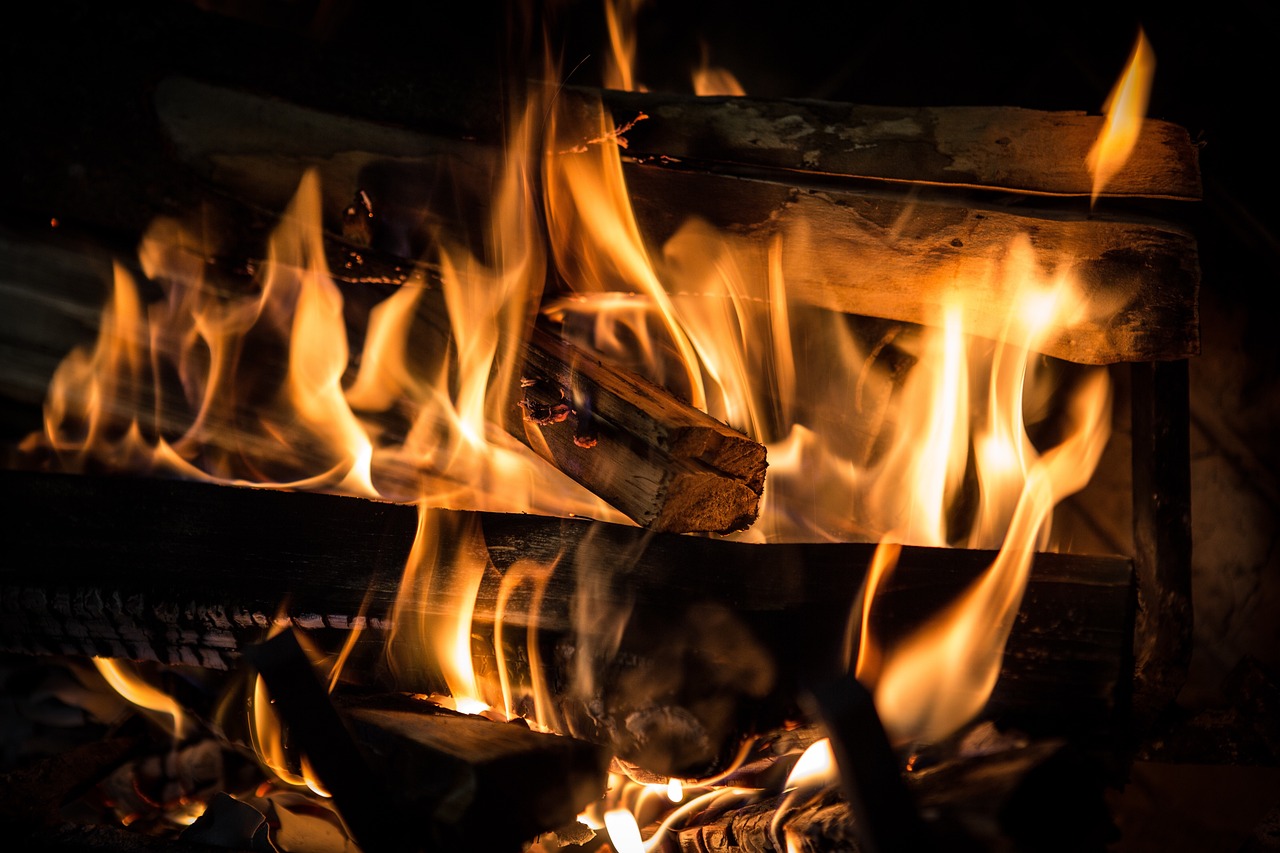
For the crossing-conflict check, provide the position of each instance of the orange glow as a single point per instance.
(619, 69)
(138, 692)
(1125, 109)
(713, 80)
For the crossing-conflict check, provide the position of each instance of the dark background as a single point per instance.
(75, 122)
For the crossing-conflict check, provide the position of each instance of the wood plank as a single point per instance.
(665, 464)
(984, 147)
(892, 257)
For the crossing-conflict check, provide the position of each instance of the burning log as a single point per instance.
(412, 780)
(191, 573)
(1003, 149)
(665, 464)
(894, 250)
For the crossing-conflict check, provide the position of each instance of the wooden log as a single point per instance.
(891, 250)
(667, 465)
(474, 783)
(189, 573)
(1161, 537)
(406, 778)
(903, 259)
(996, 148)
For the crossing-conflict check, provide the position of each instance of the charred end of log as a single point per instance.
(665, 464)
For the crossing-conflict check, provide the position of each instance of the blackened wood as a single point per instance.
(190, 573)
(1004, 148)
(1161, 536)
(665, 464)
(32, 795)
(887, 817)
(362, 797)
(474, 783)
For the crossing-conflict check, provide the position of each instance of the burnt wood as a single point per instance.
(191, 573)
(470, 782)
(1161, 537)
(665, 464)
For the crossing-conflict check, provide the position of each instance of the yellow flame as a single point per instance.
(138, 692)
(817, 766)
(624, 834)
(1125, 109)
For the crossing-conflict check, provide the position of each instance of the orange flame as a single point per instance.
(1125, 108)
(138, 692)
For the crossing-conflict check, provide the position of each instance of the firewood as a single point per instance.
(897, 249)
(987, 147)
(410, 779)
(665, 464)
(477, 783)
(190, 573)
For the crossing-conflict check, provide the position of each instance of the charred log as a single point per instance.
(665, 464)
(721, 636)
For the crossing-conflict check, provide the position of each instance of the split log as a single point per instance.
(190, 573)
(992, 148)
(665, 464)
(895, 249)
(409, 779)
(476, 783)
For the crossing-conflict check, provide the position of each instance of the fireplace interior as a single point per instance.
(1186, 751)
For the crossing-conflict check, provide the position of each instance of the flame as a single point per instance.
(817, 766)
(619, 69)
(432, 617)
(937, 679)
(1125, 109)
(624, 834)
(138, 692)
(713, 80)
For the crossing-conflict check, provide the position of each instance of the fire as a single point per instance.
(939, 454)
(1125, 108)
(139, 692)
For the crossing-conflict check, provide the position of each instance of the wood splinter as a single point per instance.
(667, 465)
